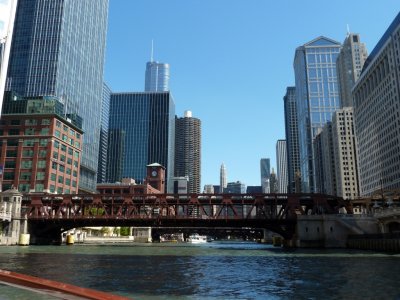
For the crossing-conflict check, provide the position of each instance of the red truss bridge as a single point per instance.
(48, 214)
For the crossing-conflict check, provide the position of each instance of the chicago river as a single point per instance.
(217, 270)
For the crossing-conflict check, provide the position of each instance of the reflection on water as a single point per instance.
(213, 270)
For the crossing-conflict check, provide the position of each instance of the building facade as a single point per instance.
(324, 160)
(188, 150)
(265, 173)
(292, 137)
(156, 77)
(377, 115)
(349, 65)
(317, 97)
(58, 49)
(273, 182)
(40, 148)
(235, 188)
(222, 179)
(345, 154)
(281, 162)
(103, 144)
(141, 132)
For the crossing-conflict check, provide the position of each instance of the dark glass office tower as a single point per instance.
(103, 144)
(58, 49)
(148, 122)
(292, 137)
(188, 150)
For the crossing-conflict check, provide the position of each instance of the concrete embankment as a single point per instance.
(375, 242)
(50, 287)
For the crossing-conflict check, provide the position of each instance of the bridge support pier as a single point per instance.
(141, 234)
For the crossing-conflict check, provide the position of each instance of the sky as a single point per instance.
(230, 63)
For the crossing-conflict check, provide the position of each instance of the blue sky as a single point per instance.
(230, 62)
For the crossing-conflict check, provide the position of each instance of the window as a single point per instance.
(29, 131)
(13, 131)
(43, 142)
(68, 171)
(71, 141)
(55, 155)
(53, 176)
(9, 175)
(68, 181)
(11, 153)
(58, 124)
(56, 144)
(42, 153)
(26, 164)
(57, 133)
(61, 179)
(45, 131)
(74, 173)
(61, 168)
(77, 144)
(64, 138)
(62, 158)
(76, 154)
(24, 188)
(67, 191)
(70, 151)
(54, 165)
(45, 121)
(12, 142)
(39, 187)
(75, 164)
(15, 122)
(63, 147)
(73, 183)
(29, 142)
(69, 161)
(25, 176)
(65, 128)
(30, 122)
(10, 164)
(41, 164)
(71, 132)
(27, 153)
(40, 175)
(78, 136)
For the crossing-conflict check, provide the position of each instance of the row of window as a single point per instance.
(67, 129)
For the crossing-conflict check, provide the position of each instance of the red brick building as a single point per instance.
(40, 151)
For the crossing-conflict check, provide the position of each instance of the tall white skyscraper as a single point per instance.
(157, 77)
(281, 161)
(222, 178)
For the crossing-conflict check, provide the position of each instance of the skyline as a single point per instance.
(224, 53)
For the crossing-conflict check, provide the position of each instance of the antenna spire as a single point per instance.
(152, 50)
(348, 29)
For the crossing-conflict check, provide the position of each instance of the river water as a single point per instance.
(217, 270)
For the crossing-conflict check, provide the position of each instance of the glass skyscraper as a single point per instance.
(317, 97)
(103, 144)
(141, 132)
(157, 77)
(292, 137)
(58, 49)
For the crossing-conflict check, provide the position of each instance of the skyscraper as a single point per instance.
(292, 137)
(265, 172)
(143, 125)
(349, 65)
(188, 150)
(103, 144)
(157, 77)
(222, 178)
(317, 97)
(58, 49)
(281, 161)
(377, 115)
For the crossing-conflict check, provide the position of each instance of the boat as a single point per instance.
(197, 239)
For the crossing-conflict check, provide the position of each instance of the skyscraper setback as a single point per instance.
(58, 49)
(317, 97)
(222, 178)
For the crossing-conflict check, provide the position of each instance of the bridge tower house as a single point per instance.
(155, 176)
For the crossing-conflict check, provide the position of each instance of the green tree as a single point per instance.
(125, 231)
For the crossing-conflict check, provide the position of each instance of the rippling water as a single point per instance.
(211, 271)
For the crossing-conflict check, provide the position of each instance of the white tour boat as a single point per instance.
(197, 239)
